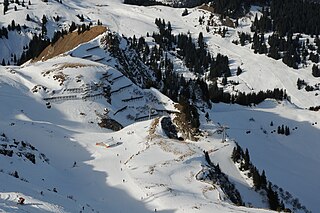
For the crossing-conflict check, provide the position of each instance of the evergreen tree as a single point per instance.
(200, 40)
(246, 159)
(282, 129)
(272, 198)
(256, 178)
(239, 71)
(263, 180)
(185, 12)
(236, 154)
(315, 71)
(5, 6)
(287, 131)
(224, 80)
(43, 25)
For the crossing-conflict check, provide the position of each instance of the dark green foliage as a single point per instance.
(6, 152)
(5, 6)
(246, 159)
(237, 154)
(57, 35)
(224, 80)
(301, 83)
(72, 27)
(207, 158)
(15, 174)
(287, 131)
(263, 24)
(296, 16)
(4, 32)
(244, 38)
(259, 181)
(31, 157)
(283, 130)
(314, 57)
(200, 41)
(143, 2)
(36, 46)
(256, 178)
(253, 98)
(221, 179)
(273, 198)
(196, 57)
(215, 93)
(263, 180)
(43, 25)
(239, 71)
(192, 115)
(219, 67)
(315, 71)
(234, 8)
(81, 18)
(185, 12)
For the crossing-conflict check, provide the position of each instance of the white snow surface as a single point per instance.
(142, 172)
(145, 170)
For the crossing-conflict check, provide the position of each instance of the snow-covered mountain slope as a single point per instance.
(56, 106)
(141, 167)
(289, 161)
(109, 93)
(260, 72)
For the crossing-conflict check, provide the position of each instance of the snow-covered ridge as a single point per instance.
(56, 106)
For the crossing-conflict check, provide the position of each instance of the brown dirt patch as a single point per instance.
(70, 41)
(207, 8)
(74, 65)
(183, 125)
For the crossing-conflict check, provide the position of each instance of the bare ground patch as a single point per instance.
(70, 41)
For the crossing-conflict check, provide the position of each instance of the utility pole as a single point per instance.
(223, 129)
(150, 110)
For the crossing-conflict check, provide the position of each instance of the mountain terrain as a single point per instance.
(170, 106)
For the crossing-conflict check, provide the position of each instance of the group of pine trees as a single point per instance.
(194, 54)
(302, 84)
(143, 2)
(259, 180)
(292, 51)
(39, 42)
(176, 86)
(221, 179)
(283, 130)
(6, 4)
(285, 18)
(315, 71)
(233, 8)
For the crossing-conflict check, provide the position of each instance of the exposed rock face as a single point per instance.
(110, 124)
(70, 41)
(169, 128)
